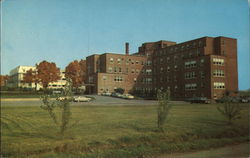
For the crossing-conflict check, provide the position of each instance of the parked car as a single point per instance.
(81, 99)
(106, 94)
(128, 96)
(114, 94)
(199, 100)
(64, 98)
(245, 100)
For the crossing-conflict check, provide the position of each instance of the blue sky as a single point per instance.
(64, 30)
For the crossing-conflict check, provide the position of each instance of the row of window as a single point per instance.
(219, 85)
(118, 78)
(180, 48)
(190, 75)
(128, 61)
(217, 61)
(219, 73)
(190, 64)
(192, 86)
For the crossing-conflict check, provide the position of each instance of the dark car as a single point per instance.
(203, 100)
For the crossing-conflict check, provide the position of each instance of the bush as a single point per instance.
(119, 90)
(230, 109)
(163, 107)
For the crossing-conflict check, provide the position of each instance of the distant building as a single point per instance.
(3, 80)
(17, 75)
(204, 67)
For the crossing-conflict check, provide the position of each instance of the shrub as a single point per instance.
(163, 108)
(230, 109)
(119, 90)
(63, 105)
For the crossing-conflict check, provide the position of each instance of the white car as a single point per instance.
(64, 98)
(81, 99)
(106, 94)
(128, 96)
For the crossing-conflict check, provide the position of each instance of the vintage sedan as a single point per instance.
(81, 99)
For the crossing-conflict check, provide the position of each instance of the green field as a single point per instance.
(118, 131)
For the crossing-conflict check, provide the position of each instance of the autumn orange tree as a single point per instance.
(47, 72)
(31, 77)
(76, 71)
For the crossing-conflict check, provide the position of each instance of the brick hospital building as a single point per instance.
(204, 67)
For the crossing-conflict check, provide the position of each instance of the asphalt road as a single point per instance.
(99, 100)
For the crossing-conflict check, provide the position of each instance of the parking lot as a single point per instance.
(99, 100)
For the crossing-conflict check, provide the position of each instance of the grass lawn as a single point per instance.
(118, 131)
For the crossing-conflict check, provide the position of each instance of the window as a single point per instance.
(168, 59)
(149, 62)
(119, 61)
(118, 79)
(148, 71)
(202, 74)
(115, 70)
(161, 61)
(168, 68)
(190, 64)
(175, 87)
(202, 62)
(219, 85)
(137, 62)
(161, 70)
(110, 69)
(217, 61)
(111, 60)
(133, 70)
(126, 70)
(175, 67)
(120, 69)
(218, 73)
(189, 87)
(190, 75)
(127, 61)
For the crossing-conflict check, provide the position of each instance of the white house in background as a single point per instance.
(17, 75)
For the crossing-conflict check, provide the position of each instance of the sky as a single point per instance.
(61, 31)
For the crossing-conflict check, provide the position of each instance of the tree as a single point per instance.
(83, 70)
(76, 71)
(47, 72)
(163, 108)
(31, 77)
(61, 119)
(230, 109)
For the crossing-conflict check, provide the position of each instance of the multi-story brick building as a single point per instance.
(204, 67)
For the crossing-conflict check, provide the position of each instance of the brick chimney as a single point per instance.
(127, 48)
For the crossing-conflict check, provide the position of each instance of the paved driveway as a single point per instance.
(99, 100)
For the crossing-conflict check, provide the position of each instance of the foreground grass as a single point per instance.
(118, 132)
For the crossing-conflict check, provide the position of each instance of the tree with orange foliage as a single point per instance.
(82, 64)
(76, 71)
(47, 72)
(31, 77)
